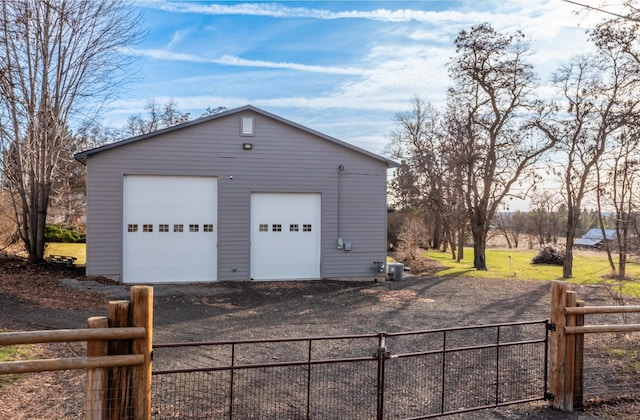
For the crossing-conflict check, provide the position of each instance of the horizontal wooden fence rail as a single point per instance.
(61, 336)
(606, 328)
(70, 363)
(602, 310)
(598, 329)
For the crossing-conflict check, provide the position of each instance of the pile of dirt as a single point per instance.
(40, 284)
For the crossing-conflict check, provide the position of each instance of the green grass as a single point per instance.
(71, 250)
(511, 263)
(9, 353)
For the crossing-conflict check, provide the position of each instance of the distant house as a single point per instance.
(594, 239)
(239, 195)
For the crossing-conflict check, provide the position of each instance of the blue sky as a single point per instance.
(344, 68)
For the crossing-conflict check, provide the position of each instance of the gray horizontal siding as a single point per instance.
(283, 159)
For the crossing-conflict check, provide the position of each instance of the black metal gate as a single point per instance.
(418, 374)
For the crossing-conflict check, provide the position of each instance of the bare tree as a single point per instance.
(618, 189)
(494, 88)
(547, 212)
(405, 188)
(418, 180)
(599, 95)
(158, 117)
(622, 166)
(68, 191)
(58, 61)
(511, 226)
(411, 235)
(425, 181)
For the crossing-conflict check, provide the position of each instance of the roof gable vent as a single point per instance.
(247, 125)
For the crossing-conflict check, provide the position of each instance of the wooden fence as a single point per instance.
(566, 343)
(118, 360)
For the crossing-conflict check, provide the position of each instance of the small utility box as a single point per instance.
(395, 271)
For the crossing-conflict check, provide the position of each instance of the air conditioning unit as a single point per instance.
(395, 271)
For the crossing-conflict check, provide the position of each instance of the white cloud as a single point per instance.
(178, 37)
(230, 60)
(281, 11)
(236, 61)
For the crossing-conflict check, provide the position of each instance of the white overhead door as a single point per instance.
(170, 229)
(285, 236)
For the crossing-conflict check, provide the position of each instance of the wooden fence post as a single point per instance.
(557, 344)
(119, 405)
(578, 387)
(96, 377)
(570, 353)
(142, 316)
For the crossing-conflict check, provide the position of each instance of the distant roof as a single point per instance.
(587, 242)
(82, 156)
(596, 234)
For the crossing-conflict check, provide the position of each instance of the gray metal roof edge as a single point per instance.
(82, 156)
(583, 241)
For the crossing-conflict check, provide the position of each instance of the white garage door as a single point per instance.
(285, 236)
(170, 229)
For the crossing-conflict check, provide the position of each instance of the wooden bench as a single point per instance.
(62, 259)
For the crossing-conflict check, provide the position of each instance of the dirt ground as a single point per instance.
(46, 297)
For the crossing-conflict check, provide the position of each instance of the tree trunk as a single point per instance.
(622, 264)
(461, 244)
(33, 220)
(623, 244)
(567, 267)
(573, 217)
(437, 231)
(479, 247)
(37, 240)
(451, 239)
(601, 223)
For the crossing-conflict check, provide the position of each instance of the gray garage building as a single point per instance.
(239, 195)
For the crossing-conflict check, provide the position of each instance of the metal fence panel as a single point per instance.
(413, 386)
(343, 391)
(416, 374)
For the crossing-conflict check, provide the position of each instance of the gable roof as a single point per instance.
(594, 236)
(596, 233)
(84, 155)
